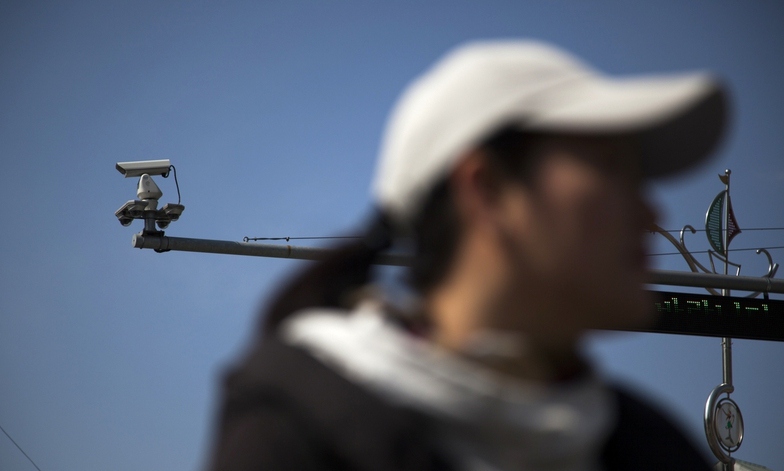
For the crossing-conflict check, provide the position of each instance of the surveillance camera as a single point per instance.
(173, 211)
(133, 209)
(139, 168)
(148, 194)
(168, 214)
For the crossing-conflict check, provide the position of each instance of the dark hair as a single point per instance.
(436, 228)
(330, 281)
(436, 232)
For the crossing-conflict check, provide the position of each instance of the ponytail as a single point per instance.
(330, 281)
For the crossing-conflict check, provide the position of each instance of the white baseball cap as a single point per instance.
(480, 87)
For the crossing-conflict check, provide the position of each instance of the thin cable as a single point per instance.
(176, 183)
(743, 230)
(706, 251)
(248, 239)
(20, 448)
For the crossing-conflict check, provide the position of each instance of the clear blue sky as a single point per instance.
(110, 357)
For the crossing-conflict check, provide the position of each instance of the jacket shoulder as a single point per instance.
(284, 409)
(646, 439)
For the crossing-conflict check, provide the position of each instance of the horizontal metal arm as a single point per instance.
(707, 280)
(227, 247)
(656, 277)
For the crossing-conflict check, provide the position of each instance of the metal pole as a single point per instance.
(165, 244)
(656, 277)
(726, 342)
(726, 359)
(705, 280)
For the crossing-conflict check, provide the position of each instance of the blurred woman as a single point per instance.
(514, 171)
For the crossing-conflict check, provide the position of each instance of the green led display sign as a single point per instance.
(718, 316)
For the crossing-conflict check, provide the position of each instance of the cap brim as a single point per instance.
(680, 119)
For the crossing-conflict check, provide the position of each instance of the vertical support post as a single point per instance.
(149, 222)
(726, 342)
(726, 360)
(726, 225)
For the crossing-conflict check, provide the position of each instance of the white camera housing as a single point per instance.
(147, 189)
(140, 167)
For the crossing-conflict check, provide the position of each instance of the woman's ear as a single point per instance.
(476, 187)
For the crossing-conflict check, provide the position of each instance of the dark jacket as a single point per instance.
(284, 410)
